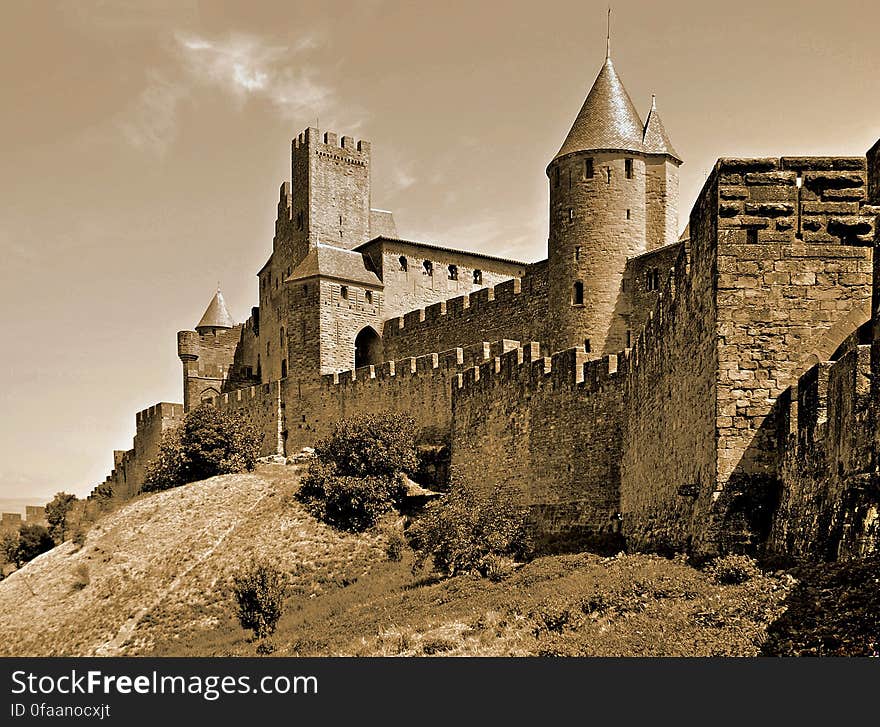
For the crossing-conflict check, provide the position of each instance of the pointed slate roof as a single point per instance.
(607, 120)
(217, 314)
(335, 262)
(655, 138)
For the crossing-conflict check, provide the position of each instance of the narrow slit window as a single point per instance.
(588, 168)
(629, 339)
(343, 292)
(478, 277)
(570, 214)
(629, 214)
(577, 252)
(628, 165)
(369, 296)
(452, 271)
(577, 293)
(587, 346)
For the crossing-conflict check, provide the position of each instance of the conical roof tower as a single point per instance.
(216, 315)
(655, 138)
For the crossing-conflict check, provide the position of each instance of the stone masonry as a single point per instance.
(702, 392)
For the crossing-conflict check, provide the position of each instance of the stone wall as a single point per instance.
(130, 466)
(418, 386)
(208, 360)
(792, 283)
(515, 309)
(669, 449)
(409, 285)
(829, 506)
(262, 406)
(545, 432)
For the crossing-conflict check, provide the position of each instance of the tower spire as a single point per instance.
(608, 37)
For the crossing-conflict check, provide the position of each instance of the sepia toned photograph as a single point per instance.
(416, 329)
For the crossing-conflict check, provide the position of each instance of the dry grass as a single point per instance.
(153, 578)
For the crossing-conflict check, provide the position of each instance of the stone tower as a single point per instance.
(613, 195)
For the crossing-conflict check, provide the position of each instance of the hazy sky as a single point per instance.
(144, 143)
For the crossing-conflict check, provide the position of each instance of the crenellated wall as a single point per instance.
(515, 309)
(547, 433)
(262, 406)
(830, 505)
(419, 386)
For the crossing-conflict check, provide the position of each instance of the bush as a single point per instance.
(33, 540)
(259, 595)
(732, 570)
(371, 444)
(459, 531)
(395, 544)
(81, 577)
(357, 474)
(209, 442)
(497, 567)
(9, 547)
(56, 515)
(346, 502)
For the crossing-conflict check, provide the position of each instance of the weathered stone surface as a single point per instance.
(769, 209)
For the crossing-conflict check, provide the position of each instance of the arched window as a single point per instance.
(577, 293)
(478, 277)
(428, 267)
(207, 396)
(453, 272)
(404, 264)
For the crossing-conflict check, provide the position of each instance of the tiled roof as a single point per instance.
(335, 262)
(607, 120)
(217, 314)
(655, 138)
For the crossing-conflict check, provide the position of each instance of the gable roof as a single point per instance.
(607, 120)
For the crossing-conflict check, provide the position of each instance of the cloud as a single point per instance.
(151, 125)
(245, 67)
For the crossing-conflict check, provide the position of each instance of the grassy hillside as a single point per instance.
(152, 578)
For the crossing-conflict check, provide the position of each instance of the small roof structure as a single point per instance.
(328, 261)
(216, 315)
(655, 138)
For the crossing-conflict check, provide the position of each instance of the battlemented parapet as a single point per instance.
(208, 362)
(546, 431)
(418, 386)
(828, 506)
(130, 466)
(262, 406)
(515, 309)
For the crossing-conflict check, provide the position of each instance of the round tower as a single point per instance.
(597, 217)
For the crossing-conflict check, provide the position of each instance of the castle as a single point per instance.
(705, 392)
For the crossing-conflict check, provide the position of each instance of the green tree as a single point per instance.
(56, 514)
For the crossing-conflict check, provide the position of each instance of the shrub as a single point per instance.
(460, 530)
(497, 567)
(9, 547)
(259, 595)
(209, 442)
(395, 544)
(732, 570)
(346, 502)
(33, 540)
(356, 476)
(56, 514)
(372, 444)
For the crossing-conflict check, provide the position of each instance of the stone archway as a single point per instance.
(367, 348)
(208, 395)
(822, 346)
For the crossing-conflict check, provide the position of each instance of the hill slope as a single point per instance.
(157, 568)
(152, 578)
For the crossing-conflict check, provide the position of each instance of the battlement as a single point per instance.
(499, 295)
(809, 199)
(246, 394)
(162, 410)
(329, 143)
(428, 365)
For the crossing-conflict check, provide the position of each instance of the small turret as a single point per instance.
(216, 315)
(661, 182)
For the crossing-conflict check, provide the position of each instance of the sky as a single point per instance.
(143, 145)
